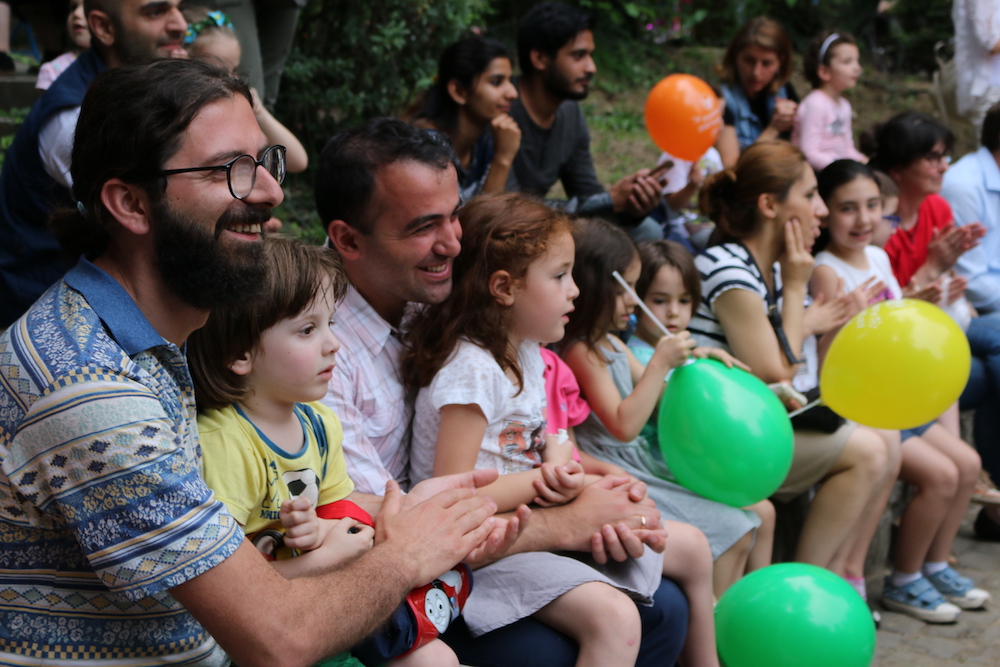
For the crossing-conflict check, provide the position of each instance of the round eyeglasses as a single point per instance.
(241, 171)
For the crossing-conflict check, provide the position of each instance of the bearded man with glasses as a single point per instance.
(112, 548)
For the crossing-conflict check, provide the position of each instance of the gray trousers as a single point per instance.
(265, 29)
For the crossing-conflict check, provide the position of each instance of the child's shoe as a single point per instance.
(919, 599)
(959, 590)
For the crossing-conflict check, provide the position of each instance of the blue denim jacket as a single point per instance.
(748, 125)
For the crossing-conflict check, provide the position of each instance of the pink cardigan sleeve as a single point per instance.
(814, 115)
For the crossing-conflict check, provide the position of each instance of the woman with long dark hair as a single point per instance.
(469, 102)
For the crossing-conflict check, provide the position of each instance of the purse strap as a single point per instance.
(773, 312)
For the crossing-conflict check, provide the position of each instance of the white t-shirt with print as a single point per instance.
(515, 431)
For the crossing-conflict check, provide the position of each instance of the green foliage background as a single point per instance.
(356, 60)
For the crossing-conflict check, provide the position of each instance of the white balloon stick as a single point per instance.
(635, 297)
(628, 288)
(805, 407)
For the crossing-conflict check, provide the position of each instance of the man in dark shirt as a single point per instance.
(555, 47)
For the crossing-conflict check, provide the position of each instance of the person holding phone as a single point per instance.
(682, 183)
(555, 48)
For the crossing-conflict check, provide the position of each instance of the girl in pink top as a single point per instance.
(823, 120)
(79, 33)
(566, 408)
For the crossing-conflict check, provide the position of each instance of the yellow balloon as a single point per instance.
(896, 365)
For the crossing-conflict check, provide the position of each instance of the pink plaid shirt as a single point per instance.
(367, 394)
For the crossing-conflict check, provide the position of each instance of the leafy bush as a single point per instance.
(916, 27)
(357, 60)
(9, 122)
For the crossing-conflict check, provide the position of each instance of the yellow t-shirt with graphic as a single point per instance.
(252, 475)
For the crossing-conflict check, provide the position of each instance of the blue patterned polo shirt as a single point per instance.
(102, 505)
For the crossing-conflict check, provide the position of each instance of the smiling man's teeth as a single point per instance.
(246, 229)
(436, 269)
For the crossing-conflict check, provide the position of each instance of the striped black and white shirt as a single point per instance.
(729, 266)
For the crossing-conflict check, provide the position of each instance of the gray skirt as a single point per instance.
(517, 586)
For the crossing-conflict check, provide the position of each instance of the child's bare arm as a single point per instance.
(296, 158)
(625, 417)
(460, 436)
(555, 452)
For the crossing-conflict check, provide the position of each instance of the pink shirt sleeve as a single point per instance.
(51, 70)
(813, 116)
(566, 408)
(823, 130)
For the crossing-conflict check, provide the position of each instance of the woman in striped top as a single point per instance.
(754, 279)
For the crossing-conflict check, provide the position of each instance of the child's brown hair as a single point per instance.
(601, 249)
(296, 275)
(657, 254)
(507, 232)
(821, 53)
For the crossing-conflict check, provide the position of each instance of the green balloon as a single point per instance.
(724, 434)
(790, 615)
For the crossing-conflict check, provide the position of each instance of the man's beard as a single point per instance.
(198, 266)
(559, 85)
(131, 48)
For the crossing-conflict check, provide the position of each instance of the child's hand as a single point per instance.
(672, 352)
(256, 104)
(861, 296)
(696, 176)
(346, 539)
(930, 292)
(823, 315)
(956, 288)
(720, 355)
(559, 484)
(822, 318)
(302, 527)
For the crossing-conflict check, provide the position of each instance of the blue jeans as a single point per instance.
(530, 643)
(982, 392)
(647, 230)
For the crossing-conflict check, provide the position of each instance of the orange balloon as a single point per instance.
(683, 116)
